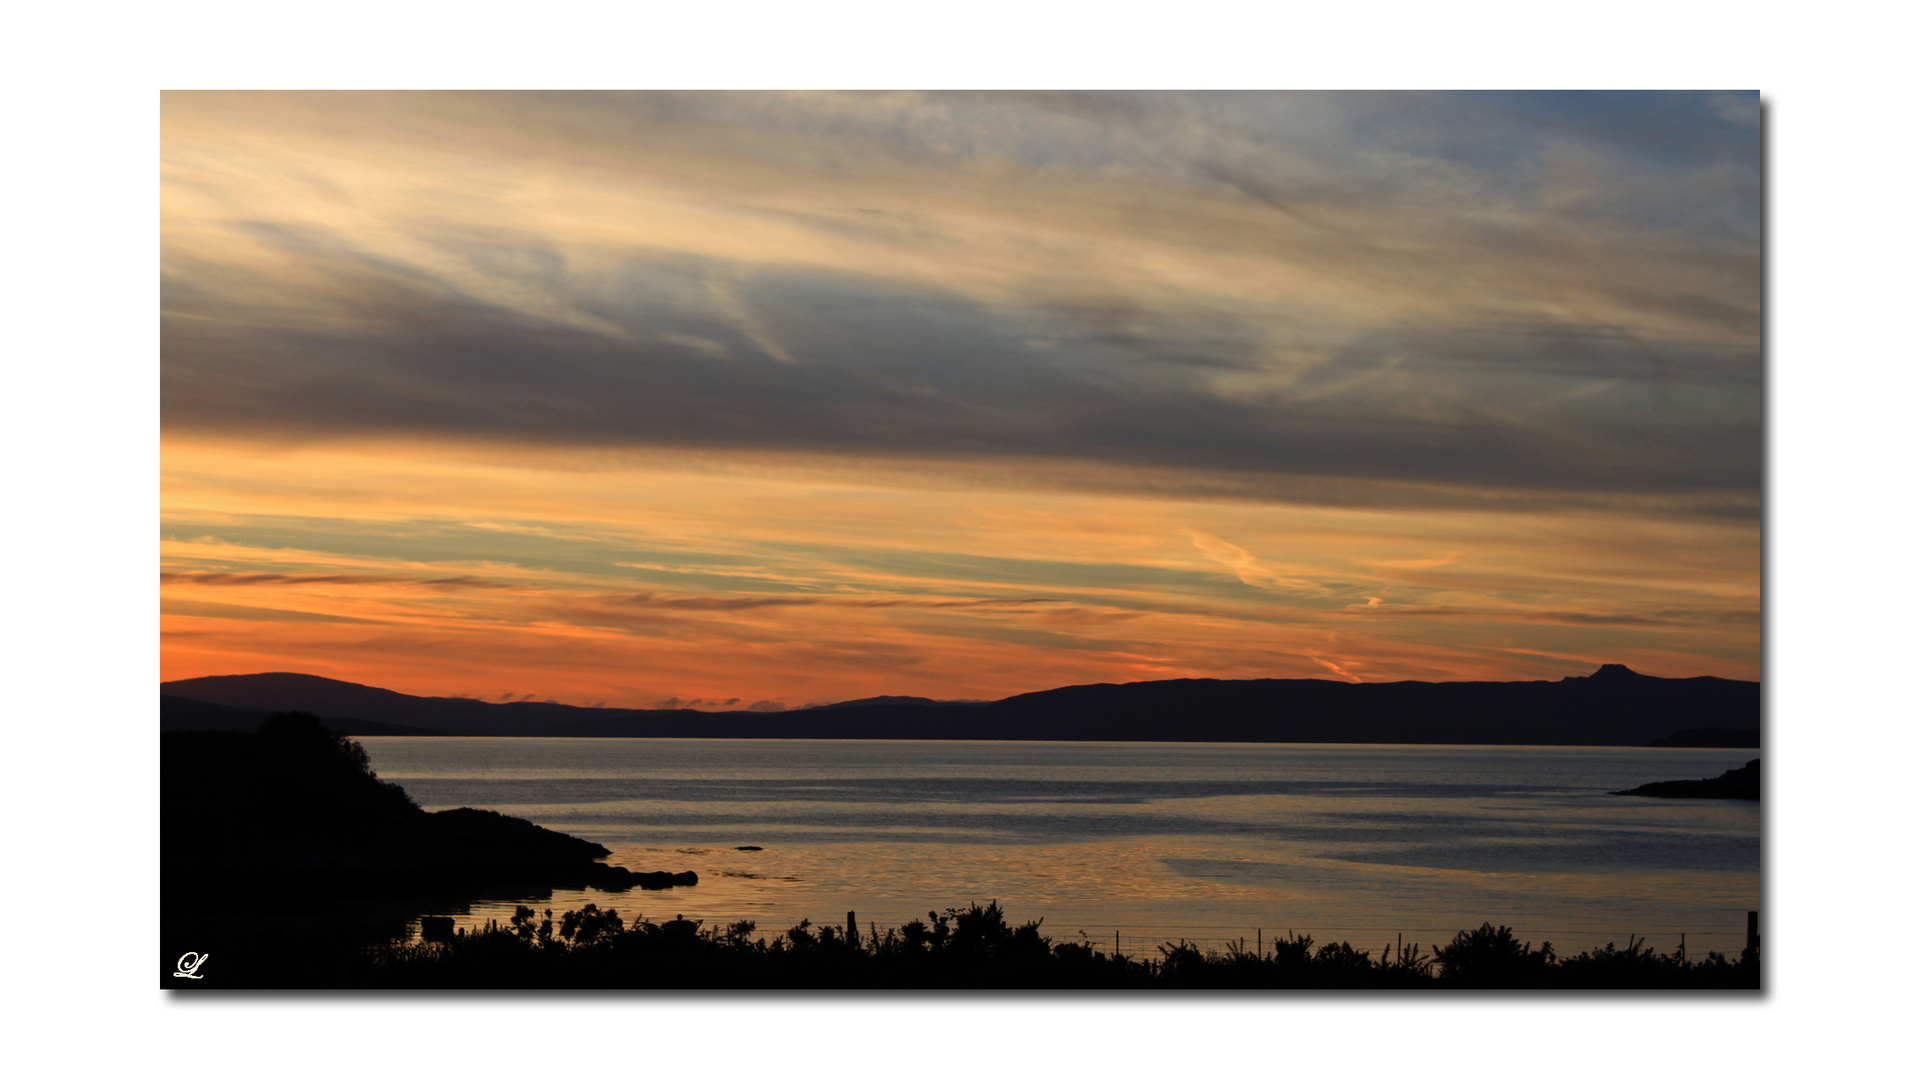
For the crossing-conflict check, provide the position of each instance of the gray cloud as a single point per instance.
(892, 371)
(201, 609)
(1500, 209)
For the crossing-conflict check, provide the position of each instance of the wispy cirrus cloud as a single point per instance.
(779, 397)
(200, 609)
(740, 603)
(1475, 292)
(217, 578)
(1245, 566)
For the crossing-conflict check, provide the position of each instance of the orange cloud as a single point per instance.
(457, 573)
(627, 399)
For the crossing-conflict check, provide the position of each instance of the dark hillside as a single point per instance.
(290, 818)
(1612, 707)
(185, 714)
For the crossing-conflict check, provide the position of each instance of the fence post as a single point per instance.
(853, 930)
(1753, 930)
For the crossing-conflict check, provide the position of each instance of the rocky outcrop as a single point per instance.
(487, 848)
(295, 809)
(1740, 783)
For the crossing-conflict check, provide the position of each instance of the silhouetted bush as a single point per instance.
(294, 810)
(229, 799)
(976, 948)
(1492, 957)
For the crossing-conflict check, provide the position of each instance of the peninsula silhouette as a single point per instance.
(290, 822)
(1740, 783)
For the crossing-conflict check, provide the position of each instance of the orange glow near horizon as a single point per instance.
(764, 400)
(711, 582)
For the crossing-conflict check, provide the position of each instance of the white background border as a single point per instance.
(82, 469)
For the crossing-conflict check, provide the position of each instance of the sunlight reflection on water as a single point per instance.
(1203, 841)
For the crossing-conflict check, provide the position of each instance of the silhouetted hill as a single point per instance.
(1612, 707)
(287, 691)
(890, 699)
(283, 842)
(1712, 737)
(270, 692)
(185, 714)
(295, 806)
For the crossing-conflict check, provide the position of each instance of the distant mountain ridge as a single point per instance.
(886, 699)
(1614, 706)
(185, 714)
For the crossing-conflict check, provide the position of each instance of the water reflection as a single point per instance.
(1197, 841)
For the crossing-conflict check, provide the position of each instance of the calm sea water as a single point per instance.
(1153, 842)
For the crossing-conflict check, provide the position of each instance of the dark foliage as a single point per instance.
(976, 948)
(1490, 957)
(294, 810)
(229, 798)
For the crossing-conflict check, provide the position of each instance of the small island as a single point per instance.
(1740, 783)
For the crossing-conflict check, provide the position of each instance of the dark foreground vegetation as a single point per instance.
(286, 863)
(284, 841)
(976, 948)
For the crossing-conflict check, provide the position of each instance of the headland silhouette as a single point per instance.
(289, 826)
(1740, 783)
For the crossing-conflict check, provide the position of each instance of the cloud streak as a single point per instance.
(1424, 312)
(768, 397)
(463, 581)
(742, 603)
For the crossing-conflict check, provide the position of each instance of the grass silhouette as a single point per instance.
(977, 948)
(295, 810)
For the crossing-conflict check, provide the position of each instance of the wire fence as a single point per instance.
(1385, 940)
(1147, 940)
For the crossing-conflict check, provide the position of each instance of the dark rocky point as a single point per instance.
(283, 841)
(1740, 783)
(295, 807)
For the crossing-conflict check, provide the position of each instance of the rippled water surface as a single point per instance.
(1151, 841)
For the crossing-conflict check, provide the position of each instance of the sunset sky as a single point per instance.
(761, 400)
